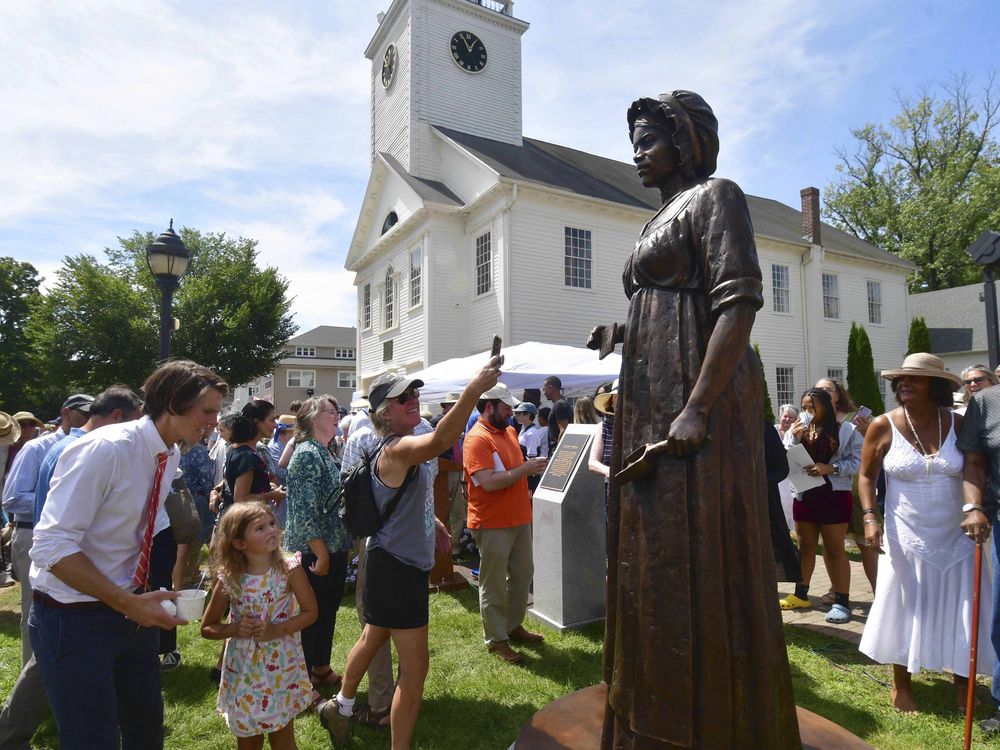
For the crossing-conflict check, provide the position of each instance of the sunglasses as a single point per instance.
(976, 380)
(402, 398)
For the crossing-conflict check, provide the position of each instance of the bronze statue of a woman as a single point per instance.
(694, 654)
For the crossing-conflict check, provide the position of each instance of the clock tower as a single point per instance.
(452, 63)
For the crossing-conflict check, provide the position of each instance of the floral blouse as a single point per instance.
(199, 471)
(313, 485)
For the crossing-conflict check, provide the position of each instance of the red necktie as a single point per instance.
(141, 578)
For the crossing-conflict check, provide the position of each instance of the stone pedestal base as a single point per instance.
(575, 721)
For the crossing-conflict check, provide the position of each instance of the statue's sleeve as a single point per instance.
(732, 271)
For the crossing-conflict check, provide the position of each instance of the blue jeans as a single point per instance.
(102, 676)
(995, 614)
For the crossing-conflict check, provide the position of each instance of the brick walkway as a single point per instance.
(814, 619)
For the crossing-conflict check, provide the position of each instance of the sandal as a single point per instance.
(325, 678)
(793, 602)
(838, 614)
(366, 717)
(828, 599)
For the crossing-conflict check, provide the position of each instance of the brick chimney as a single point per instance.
(810, 215)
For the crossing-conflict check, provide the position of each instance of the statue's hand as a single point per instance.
(687, 433)
(596, 339)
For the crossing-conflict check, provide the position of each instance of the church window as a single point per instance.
(578, 259)
(389, 304)
(780, 289)
(390, 221)
(366, 307)
(416, 261)
(875, 302)
(831, 297)
(484, 264)
(785, 384)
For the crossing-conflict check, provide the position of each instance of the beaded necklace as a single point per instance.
(929, 457)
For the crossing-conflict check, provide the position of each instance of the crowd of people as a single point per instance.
(109, 509)
(912, 488)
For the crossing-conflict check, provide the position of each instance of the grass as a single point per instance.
(472, 700)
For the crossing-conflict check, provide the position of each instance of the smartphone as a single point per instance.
(863, 411)
(495, 350)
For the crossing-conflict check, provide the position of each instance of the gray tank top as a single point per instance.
(408, 535)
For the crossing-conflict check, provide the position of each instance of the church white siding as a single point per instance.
(390, 108)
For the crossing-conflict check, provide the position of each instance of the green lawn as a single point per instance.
(474, 701)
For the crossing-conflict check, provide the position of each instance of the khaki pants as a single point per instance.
(380, 683)
(20, 547)
(456, 509)
(505, 574)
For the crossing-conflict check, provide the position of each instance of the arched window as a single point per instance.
(390, 221)
(389, 308)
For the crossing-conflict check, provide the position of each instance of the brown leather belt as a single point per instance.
(47, 601)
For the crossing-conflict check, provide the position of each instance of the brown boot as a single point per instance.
(505, 652)
(520, 635)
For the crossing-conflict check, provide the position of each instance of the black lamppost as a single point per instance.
(168, 260)
(986, 252)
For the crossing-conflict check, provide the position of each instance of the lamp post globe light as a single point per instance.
(168, 259)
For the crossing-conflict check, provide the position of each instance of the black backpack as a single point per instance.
(358, 510)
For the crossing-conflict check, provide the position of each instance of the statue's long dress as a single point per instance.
(694, 653)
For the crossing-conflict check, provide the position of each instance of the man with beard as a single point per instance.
(499, 516)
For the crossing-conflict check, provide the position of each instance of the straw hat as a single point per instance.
(602, 402)
(923, 365)
(10, 430)
(27, 416)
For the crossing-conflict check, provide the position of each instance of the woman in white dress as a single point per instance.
(922, 614)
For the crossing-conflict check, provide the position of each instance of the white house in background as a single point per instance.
(467, 228)
(956, 321)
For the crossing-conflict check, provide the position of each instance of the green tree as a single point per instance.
(927, 184)
(18, 296)
(862, 381)
(234, 316)
(100, 323)
(92, 329)
(920, 337)
(768, 408)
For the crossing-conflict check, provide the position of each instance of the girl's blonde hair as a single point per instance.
(228, 563)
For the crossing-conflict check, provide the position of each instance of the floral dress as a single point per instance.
(264, 685)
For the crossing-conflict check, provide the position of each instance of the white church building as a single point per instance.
(468, 228)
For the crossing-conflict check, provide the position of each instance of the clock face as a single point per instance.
(468, 51)
(389, 66)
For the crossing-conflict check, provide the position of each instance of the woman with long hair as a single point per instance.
(825, 510)
(247, 476)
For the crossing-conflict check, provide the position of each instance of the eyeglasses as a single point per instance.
(328, 411)
(976, 380)
(402, 398)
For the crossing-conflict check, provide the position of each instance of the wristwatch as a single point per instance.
(836, 469)
(969, 507)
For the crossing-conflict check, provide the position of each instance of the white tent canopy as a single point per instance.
(525, 366)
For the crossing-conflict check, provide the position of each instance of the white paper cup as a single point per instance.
(190, 604)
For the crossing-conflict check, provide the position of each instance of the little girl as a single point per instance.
(264, 678)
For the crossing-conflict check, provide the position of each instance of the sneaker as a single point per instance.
(170, 661)
(335, 723)
(991, 726)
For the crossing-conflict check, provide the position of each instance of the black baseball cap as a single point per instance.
(389, 386)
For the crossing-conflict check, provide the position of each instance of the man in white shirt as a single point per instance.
(93, 624)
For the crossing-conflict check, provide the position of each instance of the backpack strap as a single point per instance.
(391, 507)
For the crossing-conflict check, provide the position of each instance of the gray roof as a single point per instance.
(598, 177)
(956, 318)
(336, 336)
(431, 191)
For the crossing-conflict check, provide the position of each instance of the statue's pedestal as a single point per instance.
(574, 721)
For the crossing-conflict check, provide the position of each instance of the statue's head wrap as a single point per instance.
(691, 123)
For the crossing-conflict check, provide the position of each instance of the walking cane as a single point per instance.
(970, 701)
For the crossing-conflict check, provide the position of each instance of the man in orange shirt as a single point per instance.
(500, 519)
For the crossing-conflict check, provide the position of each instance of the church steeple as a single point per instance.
(454, 63)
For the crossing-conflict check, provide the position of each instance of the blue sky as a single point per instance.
(251, 118)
